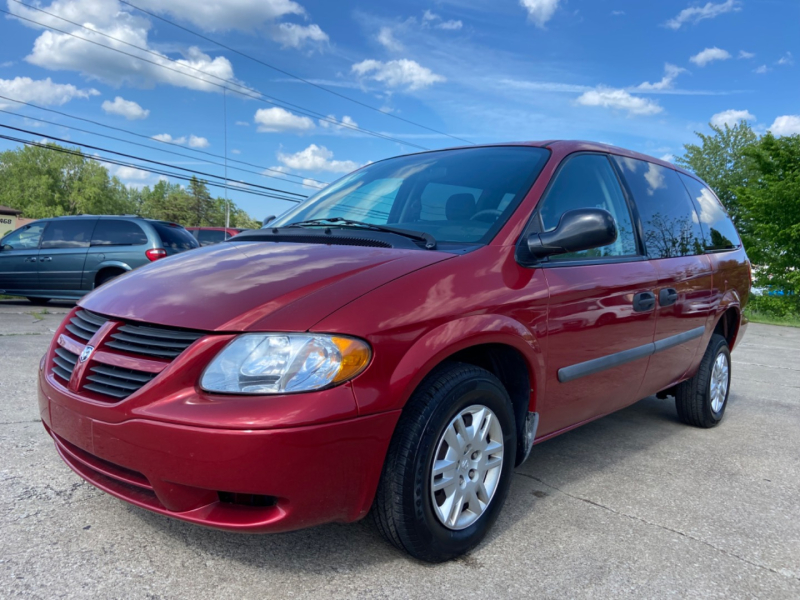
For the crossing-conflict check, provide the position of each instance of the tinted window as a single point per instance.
(589, 181)
(111, 232)
(669, 221)
(720, 234)
(24, 238)
(68, 233)
(460, 196)
(206, 237)
(175, 237)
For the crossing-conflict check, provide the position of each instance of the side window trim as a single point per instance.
(536, 225)
(707, 243)
(638, 228)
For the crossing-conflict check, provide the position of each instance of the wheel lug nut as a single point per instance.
(475, 455)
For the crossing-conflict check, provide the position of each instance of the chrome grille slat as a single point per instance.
(139, 376)
(64, 374)
(116, 382)
(78, 332)
(113, 382)
(159, 343)
(143, 330)
(64, 363)
(136, 349)
(107, 391)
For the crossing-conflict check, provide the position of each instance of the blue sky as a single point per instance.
(642, 75)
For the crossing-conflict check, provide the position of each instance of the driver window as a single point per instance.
(24, 238)
(589, 181)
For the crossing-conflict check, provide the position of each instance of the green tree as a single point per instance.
(721, 159)
(42, 182)
(771, 203)
(202, 206)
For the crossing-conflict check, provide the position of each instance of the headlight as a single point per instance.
(278, 363)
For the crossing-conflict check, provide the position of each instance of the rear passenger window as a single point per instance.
(69, 233)
(175, 237)
(589, 181)
(669, 222)
(113, 232)
(720, 234)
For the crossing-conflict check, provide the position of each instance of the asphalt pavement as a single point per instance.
(634, 505)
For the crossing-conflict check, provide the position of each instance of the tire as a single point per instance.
(107, 277)
(39, 301)
(405, 509)
(695, 398)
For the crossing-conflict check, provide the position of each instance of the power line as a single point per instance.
(155, 162)
(85, 120)
(261, 97)
(292, 75)
(112, 161)
(111, 137)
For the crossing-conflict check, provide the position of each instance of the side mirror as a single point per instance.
(267, 220)
(581, 229)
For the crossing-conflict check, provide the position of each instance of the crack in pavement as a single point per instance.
(739, 362)
(664, 527)
(20, 422)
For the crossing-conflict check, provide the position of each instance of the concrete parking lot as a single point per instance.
(634, 505)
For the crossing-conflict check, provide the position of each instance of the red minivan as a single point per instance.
(398, 342)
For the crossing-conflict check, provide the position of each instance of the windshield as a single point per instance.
(461, 196)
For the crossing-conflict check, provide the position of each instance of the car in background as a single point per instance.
(67, 257)
(213, 235)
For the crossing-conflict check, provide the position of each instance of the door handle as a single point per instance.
(46, 259)
(667, 296)
(30, 259)
(644, 301)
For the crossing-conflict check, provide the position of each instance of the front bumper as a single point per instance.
(309, 475)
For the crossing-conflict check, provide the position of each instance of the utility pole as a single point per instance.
(225, 127)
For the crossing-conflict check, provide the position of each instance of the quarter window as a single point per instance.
(113, 232)
(68, 233)
(24, 238)
(589, 181)
(670, 224)
(720, 234)
(206, 237)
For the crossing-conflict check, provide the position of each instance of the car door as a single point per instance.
(19, 259)
(62, 255)
(674, 242)
(601, 312)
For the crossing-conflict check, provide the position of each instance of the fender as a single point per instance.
(447, 339)
(731, 299)
(112, 263)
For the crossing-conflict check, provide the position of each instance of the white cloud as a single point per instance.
(617, 13)
(347, 123)
(540, 11)
(701, 59)
(193, 141)
(671, 72)
(668, 157)
(311, 184)
(398, 73)
(196, 141)
(165, 137)
(277, 119)
(125, 108)
(40, 91)
(8, 63)
(132, 174)
(243, 123)
(745, 54)
(695, 14)
(316, 158)
(762, 69)
(451, 25)
(60, 51)
(787, 60)
(786, 125)
(731, 117)
(235, 151)
(291, 35)
(386, 39)
(620, 100)
(246, 15)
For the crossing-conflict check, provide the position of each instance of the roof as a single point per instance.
(5, 210)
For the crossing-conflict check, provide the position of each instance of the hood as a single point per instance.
(240, 286)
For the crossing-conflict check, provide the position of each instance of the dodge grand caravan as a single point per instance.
(67, 257)
(397, 343)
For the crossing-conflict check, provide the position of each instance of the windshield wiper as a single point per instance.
(427, 238)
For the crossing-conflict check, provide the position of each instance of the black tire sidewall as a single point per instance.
(721, 347)
(443, 542)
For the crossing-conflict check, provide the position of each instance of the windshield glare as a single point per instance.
(460, 196)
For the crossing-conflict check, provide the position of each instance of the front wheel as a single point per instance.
(701, 400)
(449, 465)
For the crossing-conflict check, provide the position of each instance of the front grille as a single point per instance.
(116, 382)
(152, 341)
(64, 363)
(85, 324)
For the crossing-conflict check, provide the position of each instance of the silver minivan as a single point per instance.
(67, 257)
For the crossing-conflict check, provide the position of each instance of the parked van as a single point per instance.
(67, 257)
(397, 343)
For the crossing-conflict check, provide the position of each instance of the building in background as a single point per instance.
(9, 218)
